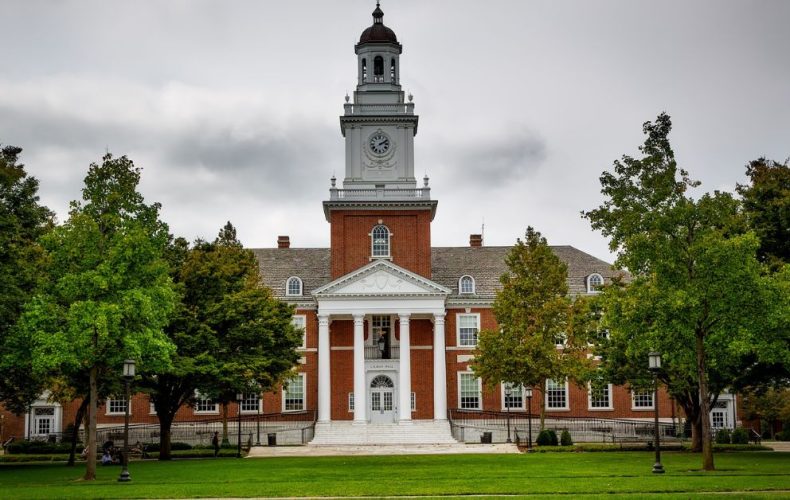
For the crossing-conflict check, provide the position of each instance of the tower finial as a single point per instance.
(378, 14)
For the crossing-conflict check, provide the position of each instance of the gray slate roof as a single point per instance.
(448, 264)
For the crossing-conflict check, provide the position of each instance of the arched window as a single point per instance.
(392, 71)
(381, 382)
(466, 284)
(364, 70)
(378, 66)
(594, 282)
(293, 287)
(380, 241)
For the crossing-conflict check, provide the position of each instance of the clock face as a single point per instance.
(379, 143)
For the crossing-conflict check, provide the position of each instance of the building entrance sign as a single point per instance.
(382, 397)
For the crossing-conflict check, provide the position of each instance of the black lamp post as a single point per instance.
(528, 394)
(239, 398)
(654, 364)
(128, 375)
(508, 392)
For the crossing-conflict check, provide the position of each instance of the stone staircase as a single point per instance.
(415, 432)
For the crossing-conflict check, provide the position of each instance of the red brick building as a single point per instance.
(390, 321)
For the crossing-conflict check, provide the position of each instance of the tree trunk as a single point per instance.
(165, 424)
(543, 406)
(690, 404)
(707, 444)
(75, 433)
(696, 434)
(225, 439)
(90, 441)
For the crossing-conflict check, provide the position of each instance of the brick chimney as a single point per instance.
(475, 240)
(283, 242)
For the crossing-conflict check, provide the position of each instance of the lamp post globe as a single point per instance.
(127, 374)
(654, 365)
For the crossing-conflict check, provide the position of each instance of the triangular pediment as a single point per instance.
(381, 278)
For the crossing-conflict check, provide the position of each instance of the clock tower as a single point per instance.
(379, 213)
(379, 124)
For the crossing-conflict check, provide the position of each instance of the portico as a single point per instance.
(379, 293)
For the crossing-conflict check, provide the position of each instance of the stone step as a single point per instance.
(415, 432)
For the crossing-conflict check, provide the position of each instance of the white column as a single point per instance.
(404, 387)
(360, 398)
(324, 374)
(439, 369)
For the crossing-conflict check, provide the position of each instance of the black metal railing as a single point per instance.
(287, 428)
(468, 425)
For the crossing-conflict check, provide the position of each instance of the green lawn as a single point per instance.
(751, 474)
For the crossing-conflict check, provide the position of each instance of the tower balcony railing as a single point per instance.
(423, 193)
(378, 109)
(373, 352)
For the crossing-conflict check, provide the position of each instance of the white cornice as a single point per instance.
(418, 285)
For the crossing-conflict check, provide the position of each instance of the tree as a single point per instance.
(697, 294)
(22, 222)
(770, 405)
(534, 314)
(766, 202)
(108, 295)
(231, 334)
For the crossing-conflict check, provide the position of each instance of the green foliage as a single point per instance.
(534, 314)
(108, 294)
(723, 436)
(783, 435)
(565, 438)
(231, 333)
(22, 222)
(766, 202)
(38, 447)
(697, 294)
(547, 437)
(740, 436)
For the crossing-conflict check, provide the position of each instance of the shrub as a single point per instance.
(39, 447)
(783, 435)
(723, 436)
(740, 436)
(565, 438)
(547, 437)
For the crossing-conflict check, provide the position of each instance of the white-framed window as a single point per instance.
(380, 241)
(151, 408)
(468, 326)
(642, 400)
(350, 401)
(466, 284)
(251, 403)
(117, 407)
(470, 391)
(594, 283)
(413, 402)
(516, 398)
(561, 340)
(599, 396)
(293, 287)
(294, 394)
(556, 395)
(299, 321)
(205, 405)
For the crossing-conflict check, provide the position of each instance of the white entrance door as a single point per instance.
(382, 400)
(43, 421)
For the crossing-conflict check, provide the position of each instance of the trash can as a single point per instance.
(272, 439)
(485, 437)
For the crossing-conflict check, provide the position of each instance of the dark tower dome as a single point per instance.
(378, 33)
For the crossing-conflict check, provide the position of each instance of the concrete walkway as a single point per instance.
(778, 445)
(346, 450)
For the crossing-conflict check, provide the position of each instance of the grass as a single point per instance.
(747, 474)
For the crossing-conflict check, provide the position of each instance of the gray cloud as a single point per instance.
(499, 162)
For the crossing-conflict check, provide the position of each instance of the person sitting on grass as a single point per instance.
(106, 459)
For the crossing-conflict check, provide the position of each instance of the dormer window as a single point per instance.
(380, 241)
(466, 284)
(293, 287)
(594, 283)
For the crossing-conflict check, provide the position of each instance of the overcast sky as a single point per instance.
(231, 107)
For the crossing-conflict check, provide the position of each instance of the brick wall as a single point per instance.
(410, 244)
